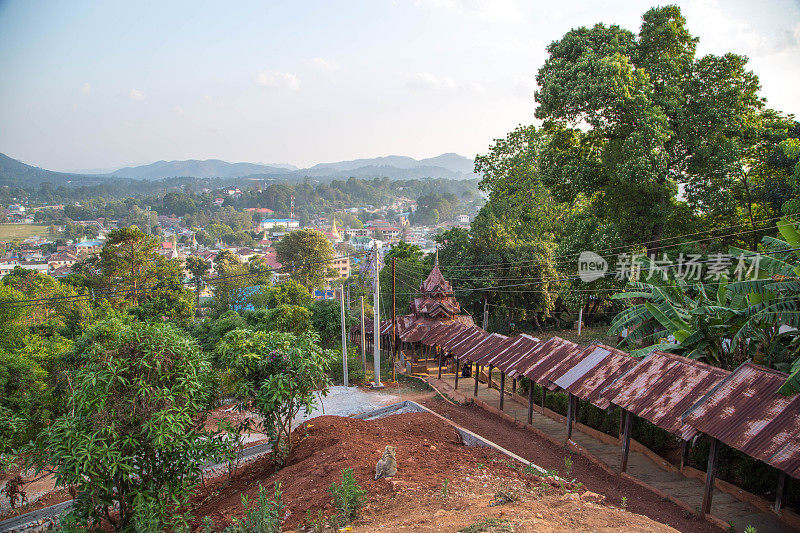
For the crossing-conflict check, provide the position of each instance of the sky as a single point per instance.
(97, 85)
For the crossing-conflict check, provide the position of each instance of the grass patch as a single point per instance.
(9, 232)
(490, 524)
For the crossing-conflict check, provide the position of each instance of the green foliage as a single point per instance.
(285, 318)
(288, 292)
(355, 367)
(306, 254)
(278, 375)
(326, 317)
(130, 438)
(209, 332)
(348, 496)
(264, 516)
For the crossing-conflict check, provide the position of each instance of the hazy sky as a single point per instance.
(103, 84)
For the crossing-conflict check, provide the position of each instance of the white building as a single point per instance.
(288, 223)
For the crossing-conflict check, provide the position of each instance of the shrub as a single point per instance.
(265, 516)
(278, 375)
(355, 367)
(348, 497)
(131, 440)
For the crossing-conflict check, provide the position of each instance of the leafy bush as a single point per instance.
(278, 375)
(285, 318)
(348, 497)
(265, 516)
(131, 440)
(355, 367)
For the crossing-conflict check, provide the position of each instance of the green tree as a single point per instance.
(306, 255)
(199, 267)
(630, 117)
(131, 439)
(278, 375)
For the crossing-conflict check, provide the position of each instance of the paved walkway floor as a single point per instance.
(679, 487)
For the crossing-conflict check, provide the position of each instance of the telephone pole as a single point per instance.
(363, 338)
(394, 314)
(376, 333)
(344, 341)
(485, 314)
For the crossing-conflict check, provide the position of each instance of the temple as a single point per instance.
(436, 302)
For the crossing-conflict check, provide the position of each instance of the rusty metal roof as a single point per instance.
(467, 342)
(549, 360)
(495, 351)
(517, 352)
(746, 412)
(480, 348)
(442, 331)
(448, 343)
(662, 387)
(599, 366)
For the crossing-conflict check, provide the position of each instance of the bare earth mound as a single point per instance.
(428, 453)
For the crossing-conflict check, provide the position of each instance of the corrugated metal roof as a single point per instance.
(549, 360)
(447, 344)
(662, 387)
(468, 341)
(505, 353)
(746, 412)
(599, 366)
(483, 346)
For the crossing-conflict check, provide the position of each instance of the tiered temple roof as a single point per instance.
(436, 302)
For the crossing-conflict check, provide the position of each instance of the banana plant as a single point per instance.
(701, 321)
(772, 316)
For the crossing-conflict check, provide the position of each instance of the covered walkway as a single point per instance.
(643, 464)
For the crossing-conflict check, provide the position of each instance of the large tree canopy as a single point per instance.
(632, 117)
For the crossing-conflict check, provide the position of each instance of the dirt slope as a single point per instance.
(428, 453)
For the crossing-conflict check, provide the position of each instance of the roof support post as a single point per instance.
(502, 389)
(489, 378)
(570, 414)
(513, 387)
(477, 373)
(544, 397)
(626, 440)
(711, 473)
(457, 372)
(530, 403)
(440, 362)
(780, 491)
(687, 445)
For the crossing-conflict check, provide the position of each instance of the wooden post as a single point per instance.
(394, 316)
(477, 373)
(779, 493)
(502, 389)
(530, 403)
(440, 363)
(570, 414)
(457, 372)
(711, 473)
(626, 440)
(489, 378)
(513, 386)
(376, 333)
(544, 397)
(685, 453)
(344, 341)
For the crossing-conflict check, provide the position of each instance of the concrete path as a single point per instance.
(640, 466)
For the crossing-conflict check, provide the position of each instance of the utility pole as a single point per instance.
(580, 320)
(363, 338)
(376, 333)
(344, 341)
(394, 314)
(485, 314)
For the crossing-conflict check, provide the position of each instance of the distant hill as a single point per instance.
(450, 166)
(15, 173)
(209, 168)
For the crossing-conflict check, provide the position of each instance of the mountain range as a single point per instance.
(449, 165)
